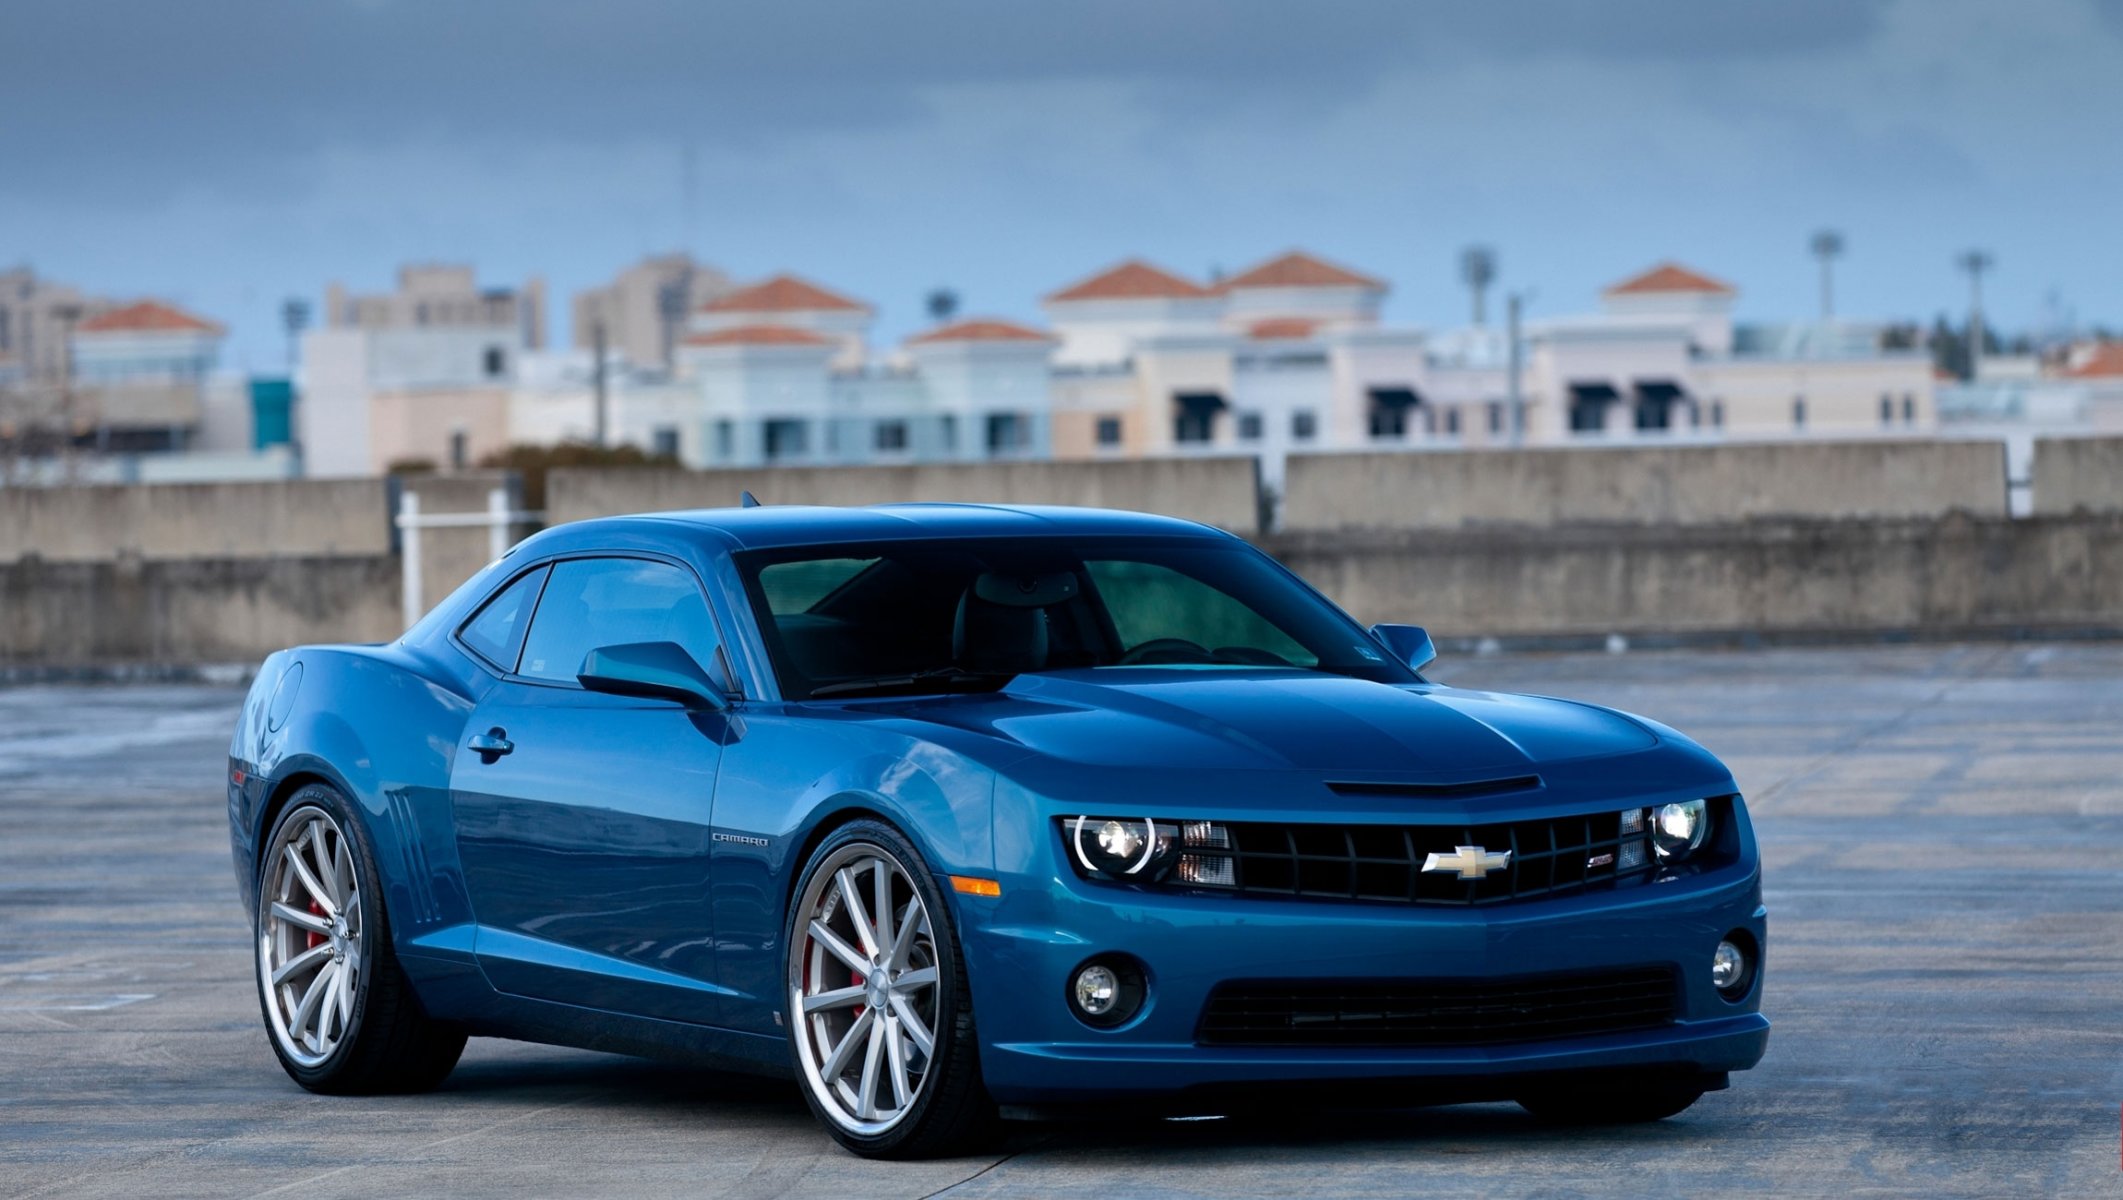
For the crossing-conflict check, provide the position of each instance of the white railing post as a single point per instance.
(409, 556)
(497, 523)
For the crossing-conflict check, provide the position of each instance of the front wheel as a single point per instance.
(341, 1013)
(880, 1016)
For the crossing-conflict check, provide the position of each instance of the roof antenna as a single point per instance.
(747, 500)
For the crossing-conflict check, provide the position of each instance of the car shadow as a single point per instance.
(691, 1094)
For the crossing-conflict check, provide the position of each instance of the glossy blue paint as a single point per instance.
(619, 877)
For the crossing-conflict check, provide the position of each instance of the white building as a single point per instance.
(1290, 355)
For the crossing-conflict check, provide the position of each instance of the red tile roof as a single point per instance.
(148, 316)
(980, 330)
(759, 335)
(2106, 360)
(1283, 327)
(1132, 280)
(783, 293)
(1669, 277)
(1299, 270)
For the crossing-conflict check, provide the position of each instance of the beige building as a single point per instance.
(646, 308)
(442, 296)
(35, 318)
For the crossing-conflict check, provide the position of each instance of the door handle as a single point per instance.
(490, 745)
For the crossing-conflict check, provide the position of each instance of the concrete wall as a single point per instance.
(1216, 491)
(1944, 577)
(74, 614)
(448, 557)
(194, 520)
(1661, 485)
(2076, 473)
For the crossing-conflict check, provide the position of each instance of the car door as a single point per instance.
(582, 818)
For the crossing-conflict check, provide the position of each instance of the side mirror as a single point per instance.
(1409, 643)
(655, 670)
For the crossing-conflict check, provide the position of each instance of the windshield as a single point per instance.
(927, 616)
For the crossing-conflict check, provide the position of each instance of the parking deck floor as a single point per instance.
(1943, 833)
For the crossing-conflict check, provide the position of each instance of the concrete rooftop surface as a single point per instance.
(1942, 828)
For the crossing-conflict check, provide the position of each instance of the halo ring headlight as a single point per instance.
(1678, 830)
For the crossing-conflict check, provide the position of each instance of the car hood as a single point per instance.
(1279, 720)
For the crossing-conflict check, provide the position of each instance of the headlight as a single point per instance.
(1146, 850)
(1677, 830)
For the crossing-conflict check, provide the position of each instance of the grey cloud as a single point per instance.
(134, 98)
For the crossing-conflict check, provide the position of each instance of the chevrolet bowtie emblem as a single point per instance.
(1469, 862)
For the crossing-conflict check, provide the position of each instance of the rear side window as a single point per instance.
(497, 632)
(594, 602)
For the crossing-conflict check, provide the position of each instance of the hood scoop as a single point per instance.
(1439, 791)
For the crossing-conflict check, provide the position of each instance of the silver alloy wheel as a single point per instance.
(309, 937)
(863, 992)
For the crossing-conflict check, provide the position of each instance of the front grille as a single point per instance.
(1550, 856)
(1437, 1012)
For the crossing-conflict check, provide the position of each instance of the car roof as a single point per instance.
(769, 526)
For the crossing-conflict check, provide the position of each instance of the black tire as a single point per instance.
(952, 1112)
(1611, 1104)
(389, 1044)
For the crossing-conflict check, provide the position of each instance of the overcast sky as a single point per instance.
(228, 154)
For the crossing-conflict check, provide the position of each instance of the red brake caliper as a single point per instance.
(316, 938)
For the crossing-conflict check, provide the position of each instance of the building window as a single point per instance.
(1452, 422)
(420, 314)
(1798, 412)
(664, 441)
(1717, 414)
(1389, 411)
(460, 449)
(891, 436)
(949, 428)
(1249, 427)
(1909, 409)
(1886, 409)
(725, 441)
(1006, 434)
(1588, 406)
(1194, 416)
(1496, 416)
(1109, 431)
(785, 439)
(1304, 425)
(496, 362)
(1655, 401)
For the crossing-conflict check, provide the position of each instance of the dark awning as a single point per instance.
(1595, 391)
(1394, 397)
(1660, 391)
(1199, 404)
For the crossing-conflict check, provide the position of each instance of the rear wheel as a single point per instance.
(340, 1012)
(1611, 1104)
(880, 1018)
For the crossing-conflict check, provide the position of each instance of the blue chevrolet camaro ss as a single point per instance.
(957, 813)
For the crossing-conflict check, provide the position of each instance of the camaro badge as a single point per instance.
(1469, 862)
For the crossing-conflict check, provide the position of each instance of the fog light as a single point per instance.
(1098, 988)
(1728, 970)
(1107, 991)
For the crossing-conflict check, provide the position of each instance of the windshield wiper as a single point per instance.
(914, 680)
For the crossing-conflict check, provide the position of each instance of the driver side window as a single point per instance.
(594, 602)
(1148, 602)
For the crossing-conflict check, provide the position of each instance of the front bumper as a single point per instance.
(1023, 949)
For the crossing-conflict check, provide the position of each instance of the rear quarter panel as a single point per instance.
(381, 724)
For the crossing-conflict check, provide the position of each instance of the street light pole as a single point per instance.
(1515, 364)
(597, 373)
(1975, 262)
(1827, 246)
